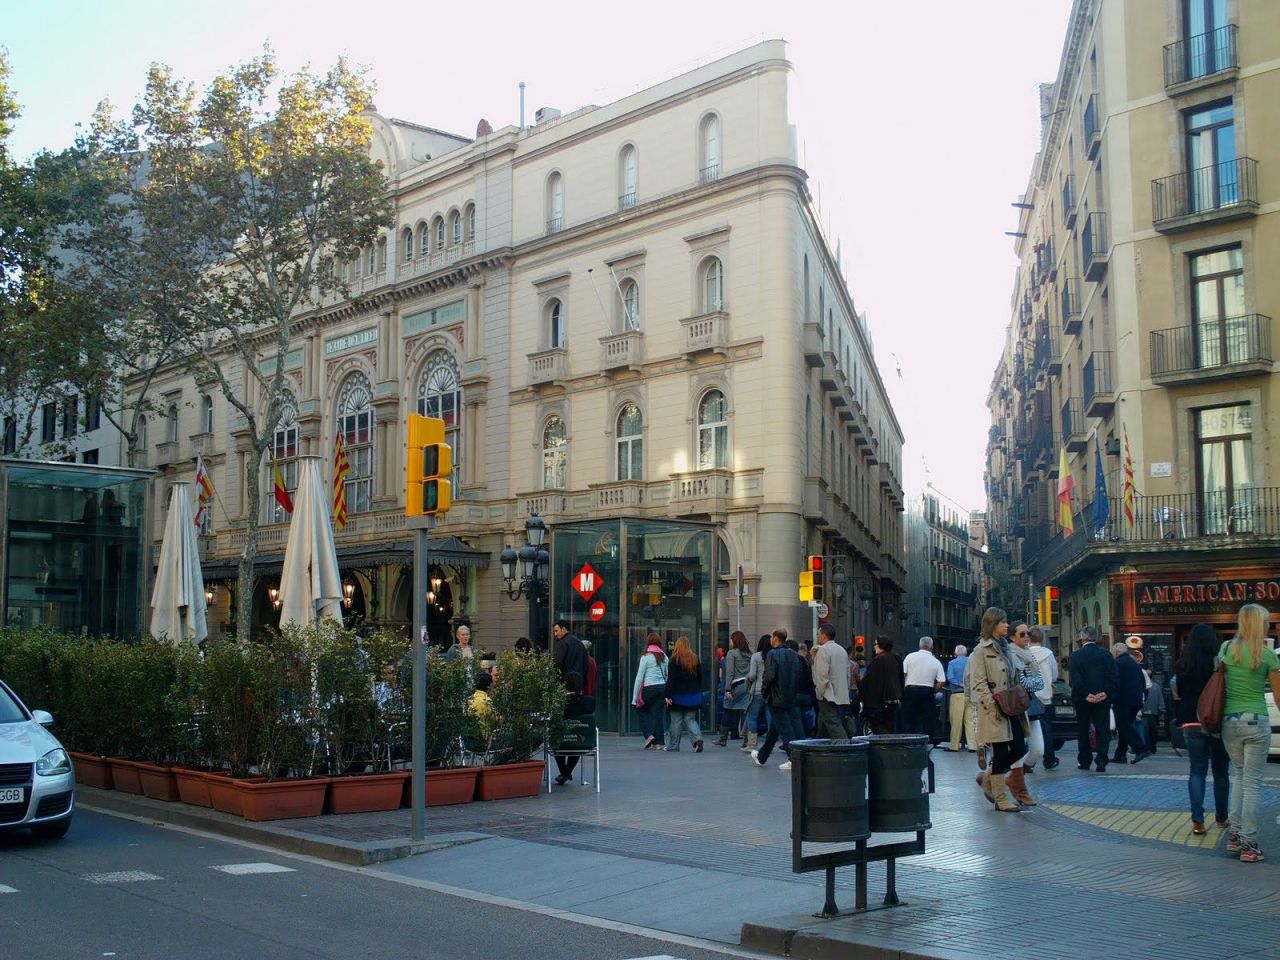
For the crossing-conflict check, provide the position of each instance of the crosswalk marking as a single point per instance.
(121, 876)
(242, 869)
(4, 889)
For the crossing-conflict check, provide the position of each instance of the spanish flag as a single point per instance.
(204, 491)
(280, 491)
(1065, 485)
(341, 467)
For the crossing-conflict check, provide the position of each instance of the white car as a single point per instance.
(37, 784)
(1274, 713)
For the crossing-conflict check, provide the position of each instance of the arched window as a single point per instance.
(471, 221)
(630, 443)
(627, 172)
(440, 396)
(709, 148)
(556, 338)
(382, 253)
(355, 423)
(173, 423)
(142, 433)
(555, 203)
(439, 231)
(372, 254)
(455, 224)
(630, 305)
(206, 413)
(406, 241)
(713, 432)
(806, 288)
(424, 240)
(712, 285)
(284, 454)
(555, 455)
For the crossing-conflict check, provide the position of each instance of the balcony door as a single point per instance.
(1221, 328)
(1224, 438)
(1208, 49)
(1211, 158)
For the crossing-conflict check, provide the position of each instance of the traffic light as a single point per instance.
(811, 584)
(1039, 612)
(429, 463)
(1050, 605)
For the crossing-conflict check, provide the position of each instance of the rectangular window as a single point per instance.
(70, 416)
(1208, 42)
(10, 435)
(1212, 170)
(89, 456)
(93, 413)
(284, 454)
(1224, 440)
(48, 422)
(1222, 331)
(357, 437)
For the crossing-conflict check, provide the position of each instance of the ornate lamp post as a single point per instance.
(526, 572)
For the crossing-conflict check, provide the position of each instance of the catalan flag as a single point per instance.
(204, 491)
(1127, 490)
(1065, 485)
(279, 490)
(341, 467)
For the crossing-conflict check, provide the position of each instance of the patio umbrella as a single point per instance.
(310, 586)
(178, 605)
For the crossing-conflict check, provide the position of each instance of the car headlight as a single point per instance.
(53, 763)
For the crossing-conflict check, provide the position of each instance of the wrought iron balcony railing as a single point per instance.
(1230, 186)
(1201, 56)
(1211, 345)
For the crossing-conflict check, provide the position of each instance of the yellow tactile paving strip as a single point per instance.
(1166, 826)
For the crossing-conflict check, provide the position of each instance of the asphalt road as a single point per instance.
(134, 891)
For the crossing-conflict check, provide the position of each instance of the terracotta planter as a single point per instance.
(366, 792)
(157, 782)
(509, 780)
(193, 785)
(283, 799)
(124, 774)
(92, 770)
(224, 793)
(445, 786)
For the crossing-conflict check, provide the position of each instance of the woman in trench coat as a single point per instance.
(993, 670)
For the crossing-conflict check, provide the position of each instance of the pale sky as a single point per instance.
(917, 123)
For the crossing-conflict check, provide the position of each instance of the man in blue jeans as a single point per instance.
(781, 684)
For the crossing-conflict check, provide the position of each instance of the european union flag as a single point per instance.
(1101, 502)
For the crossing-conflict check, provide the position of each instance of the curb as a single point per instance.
(809, 942)
(282, 838)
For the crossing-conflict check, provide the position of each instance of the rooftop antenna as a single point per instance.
(521, 104)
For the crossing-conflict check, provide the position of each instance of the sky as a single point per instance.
(917, 122)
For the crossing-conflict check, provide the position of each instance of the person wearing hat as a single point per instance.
(1133, 643)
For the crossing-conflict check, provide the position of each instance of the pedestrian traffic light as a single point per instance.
(428, 463)
(1051, 607)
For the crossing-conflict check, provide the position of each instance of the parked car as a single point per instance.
(37, 783)
(1274, 712)
(1064, 714)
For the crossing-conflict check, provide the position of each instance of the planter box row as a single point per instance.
(257, 799)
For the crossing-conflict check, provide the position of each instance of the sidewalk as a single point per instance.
(697, 844)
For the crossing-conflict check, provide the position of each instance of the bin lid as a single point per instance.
(829, 746)
(896, 739)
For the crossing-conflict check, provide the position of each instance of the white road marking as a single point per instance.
(121, 876)
(242, 869)
(4, 889)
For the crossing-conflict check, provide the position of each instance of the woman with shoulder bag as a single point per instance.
(995, 675)
(1196, 664)
(737, 691)
(649, 693)
(1032, 680)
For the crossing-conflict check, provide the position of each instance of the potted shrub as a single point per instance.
(528, 702)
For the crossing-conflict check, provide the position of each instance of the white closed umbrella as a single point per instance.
(310, 586)
(178, 606)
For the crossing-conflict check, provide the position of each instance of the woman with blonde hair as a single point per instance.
(684, 696)
(995, 669)
(1250, 664)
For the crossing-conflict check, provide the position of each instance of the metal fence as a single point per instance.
(1215, 187)
(1201, 55)
(1211, 343)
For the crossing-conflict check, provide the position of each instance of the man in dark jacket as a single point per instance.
(570, 655)
(1093, 689)
(881, 689)
(1131, 691)
(782, 675)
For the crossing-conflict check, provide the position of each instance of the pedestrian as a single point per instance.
(853, 712)
(959, 715)
(570, 654)
(1048, 664)
(781, 686)
(589, 683)
(881, 689)
(1093, 687)
(1031, 680)
(462, 648)
(831, 686)
(649, 692)
(684, 696)
(737, 690)
(994, 670)
(1131, 690)
(755, 683)
(523, 646)
(1196, 664)
(923, 677)
(1152, 707)
(1246, 728)
(805, 698)
(579, 704)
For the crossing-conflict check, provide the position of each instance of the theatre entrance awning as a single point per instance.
(449, 551)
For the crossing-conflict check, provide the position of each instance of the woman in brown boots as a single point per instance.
(994, 669)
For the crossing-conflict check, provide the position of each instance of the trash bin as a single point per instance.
(898, 781)
(830, 784)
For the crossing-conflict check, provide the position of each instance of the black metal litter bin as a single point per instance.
(831, 776)
(898, 781)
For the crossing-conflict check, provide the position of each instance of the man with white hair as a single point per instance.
(964, 719)
(923, 678)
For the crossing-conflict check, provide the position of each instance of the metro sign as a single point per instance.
(586, 581)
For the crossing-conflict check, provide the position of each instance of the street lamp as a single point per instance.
(526, 570)
(348, 594)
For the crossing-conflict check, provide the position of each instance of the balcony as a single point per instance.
(555, 224)
(1211, 350)
(1095, 249)
(701, 492)
(622, 351)
(1048, 349)
(706, 332)
(709, 173)
(625, 495)
(1069, 201)
(547, 367)
(1201, 60)
(1042, 452)
(811, 336)
(1073, 433)
(1099, 386)
(1071, 321)
(1223, 191)
(1092, 127)
(627, 201)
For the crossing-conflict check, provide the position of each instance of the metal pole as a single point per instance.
(813, 627)
(418, 816)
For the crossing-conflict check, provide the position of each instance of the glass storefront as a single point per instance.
(73, 550)
(617, 581)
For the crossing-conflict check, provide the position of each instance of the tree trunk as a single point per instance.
(244, 594)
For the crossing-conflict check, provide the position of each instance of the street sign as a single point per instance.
(824, 612)
(596, 611)
(586, 581)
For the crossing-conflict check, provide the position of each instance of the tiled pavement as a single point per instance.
(698, 845)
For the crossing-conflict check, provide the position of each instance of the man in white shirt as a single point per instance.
(924, 677)
(1048, 664)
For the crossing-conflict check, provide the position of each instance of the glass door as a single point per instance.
(1211, 158)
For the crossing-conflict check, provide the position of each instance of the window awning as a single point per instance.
(449, 551)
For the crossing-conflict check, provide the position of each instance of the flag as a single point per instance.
(1065, 486)
(280, 491)
(341, 467)
(204, 491)
(1127, 490)
(1101, 503)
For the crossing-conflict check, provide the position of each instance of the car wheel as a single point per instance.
(51, 830)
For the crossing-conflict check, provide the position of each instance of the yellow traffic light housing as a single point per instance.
(1039, 612)
(814, 564)
(1051, 606)
(428, 465)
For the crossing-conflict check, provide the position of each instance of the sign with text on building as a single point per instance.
(1167, 598)
(596, 611)
(586, 581)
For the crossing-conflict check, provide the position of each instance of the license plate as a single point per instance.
(10, 794)
(1066, 711)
